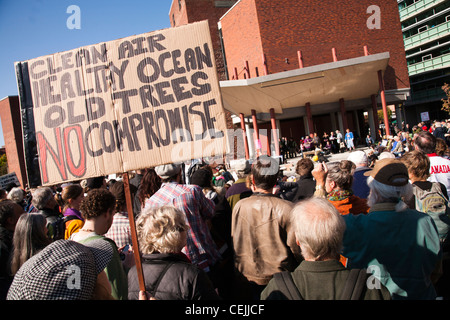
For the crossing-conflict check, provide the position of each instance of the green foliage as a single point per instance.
(446, 102)
(3, 165)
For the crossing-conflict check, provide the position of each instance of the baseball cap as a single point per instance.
(391, 172)
(63, 270)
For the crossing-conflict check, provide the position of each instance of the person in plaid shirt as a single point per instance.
(198, 210)
(120, 228)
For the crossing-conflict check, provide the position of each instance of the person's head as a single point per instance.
(30, 237)
(71, 196)
(441, 147)
(95, 183)
(99, 206)
(149, 185)
(388, 182)
(418, 165)
(425, 142)
(161, 230)
(359, 158)
(43, 198)
(304, 167)
(203, 178)
(340, 175)
(319, 229)
(16, 194)
(10, 213)
(118, 191)
(242, 168)
(63, 270)
(169, 172)
(265, 173)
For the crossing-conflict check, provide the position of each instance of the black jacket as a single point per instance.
(181, 281)
(306, 187)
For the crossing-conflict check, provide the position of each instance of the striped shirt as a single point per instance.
(190, 200)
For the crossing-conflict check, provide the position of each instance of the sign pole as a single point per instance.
(134, 239)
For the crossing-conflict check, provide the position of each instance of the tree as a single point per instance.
(446, 102)
(3, 165)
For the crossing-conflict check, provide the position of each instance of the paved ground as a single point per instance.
(290, 166)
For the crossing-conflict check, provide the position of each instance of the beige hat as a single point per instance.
(167, 171)
(391, 172)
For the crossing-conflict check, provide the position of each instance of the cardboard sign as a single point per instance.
(8, 179)
(127, 104)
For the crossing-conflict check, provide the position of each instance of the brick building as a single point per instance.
(12, 133)
(309, 66)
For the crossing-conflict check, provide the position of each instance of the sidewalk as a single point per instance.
(291, 163)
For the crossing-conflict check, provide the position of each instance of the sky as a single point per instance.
(34, 28)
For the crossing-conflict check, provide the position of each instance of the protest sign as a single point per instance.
(9, 179)
(122, 105)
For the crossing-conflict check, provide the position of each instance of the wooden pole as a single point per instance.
(134, 240)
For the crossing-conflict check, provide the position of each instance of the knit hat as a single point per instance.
(390, 172)
(64, 270)
(167, 171)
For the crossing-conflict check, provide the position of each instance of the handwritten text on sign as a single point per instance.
(124, 105)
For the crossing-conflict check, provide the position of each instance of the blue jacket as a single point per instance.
(401, 249)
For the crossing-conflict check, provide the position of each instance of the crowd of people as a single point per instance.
(332, 143)
(371, 227)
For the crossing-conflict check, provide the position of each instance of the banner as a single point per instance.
(122, 105)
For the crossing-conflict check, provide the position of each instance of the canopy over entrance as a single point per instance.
(350, 79)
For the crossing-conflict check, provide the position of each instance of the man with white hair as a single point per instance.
(319, 229)
(400, 246)
(359, 186)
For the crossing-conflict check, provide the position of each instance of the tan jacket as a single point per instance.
(263, 239)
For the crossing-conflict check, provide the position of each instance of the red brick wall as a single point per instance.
(12, 133)
(314, 27)
(242, 39)
(199, 10)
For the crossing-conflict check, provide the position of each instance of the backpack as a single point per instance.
(434, 203)
(57, 228)
(353, 288)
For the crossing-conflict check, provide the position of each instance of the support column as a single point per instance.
(398, 116)
(274, 132)
(250, 140)
(256, 133)
(244, 135)
(375, 116)
(309, 117)
(373, 130)
(383, 103)
(343, 114)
